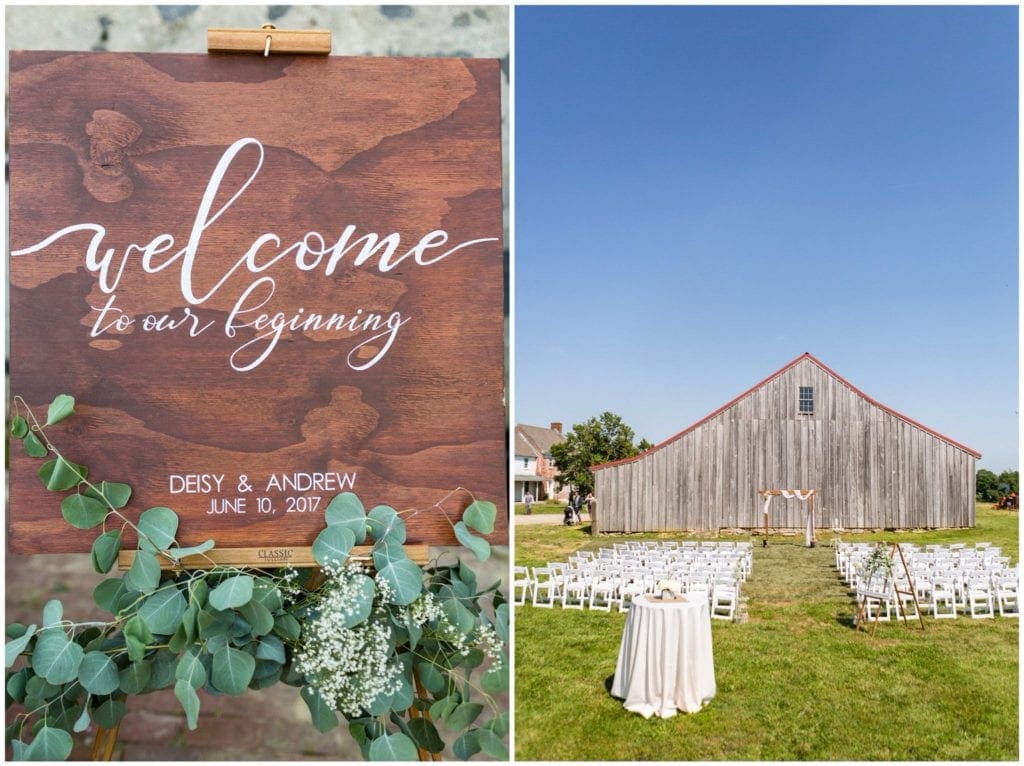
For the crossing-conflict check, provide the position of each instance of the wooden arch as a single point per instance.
(801, 494)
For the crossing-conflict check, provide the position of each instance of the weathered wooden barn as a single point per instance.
(803, 427)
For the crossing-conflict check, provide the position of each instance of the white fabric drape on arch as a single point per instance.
(801, 495)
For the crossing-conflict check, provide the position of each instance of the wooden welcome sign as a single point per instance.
(265, 281)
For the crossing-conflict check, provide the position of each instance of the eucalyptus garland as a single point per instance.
(403, 654)
(879, 561)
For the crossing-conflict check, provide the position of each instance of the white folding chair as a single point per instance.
(724, 598)
(979, 597)
(603, 591)
(1006, 594)
(522, 585)
(547, 587)
(943, 597)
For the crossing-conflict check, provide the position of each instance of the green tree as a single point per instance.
(987, 486)
(1008, 481)
(599, 440)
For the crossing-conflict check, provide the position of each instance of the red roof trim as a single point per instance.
(775, 374)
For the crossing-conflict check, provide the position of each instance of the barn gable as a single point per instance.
(803, 426)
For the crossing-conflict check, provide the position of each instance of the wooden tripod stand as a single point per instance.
(882, 595)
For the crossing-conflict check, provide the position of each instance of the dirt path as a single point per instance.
(544, 518)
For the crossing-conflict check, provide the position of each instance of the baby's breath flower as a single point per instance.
(350, 666)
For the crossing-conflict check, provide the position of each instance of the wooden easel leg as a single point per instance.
(105, 742)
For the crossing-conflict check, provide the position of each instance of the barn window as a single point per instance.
(806, 400)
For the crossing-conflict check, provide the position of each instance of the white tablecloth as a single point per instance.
(665, 658)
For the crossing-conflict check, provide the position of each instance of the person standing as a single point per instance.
(528, 501)
(591, 506)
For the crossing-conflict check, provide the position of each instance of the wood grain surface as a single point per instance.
(339, 149)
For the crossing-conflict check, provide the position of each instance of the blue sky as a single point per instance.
(702, 194)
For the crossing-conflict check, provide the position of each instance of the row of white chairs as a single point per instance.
(614, 577)
(946, 580)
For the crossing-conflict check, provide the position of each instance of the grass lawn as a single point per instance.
(795, 682)
(542, 507)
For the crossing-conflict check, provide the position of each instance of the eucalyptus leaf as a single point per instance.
(213, 623)
(333, 545)
(194, 550)
(260, 681)
(402, 698)
(83, 721)
(53, 613)
(480, 516)
(324, 718)
(258, 616)
(50, 744)
(108, 593)
(55, 658)
(232, 670)
(105, 549)
(346, 510)
(144, 574)
(198, 593)
(386, 525)
(404, 577)
(457, 614)
(468, 577)
(287, 626)
(501, 622)
(462, 717)
(83, 512)
(265, 669)
(34, 447)
(233, 592)
(14, 648)
(109, 713)
(38, 691)
(163, 610)
(444, 707)
(495, 681)
(110, 492)
(361, 604)
(491, 744)
(98, 674)
(59, 475)
(271, 648)
(191, 669)
(185, 632)
(135, 678)
(498, 724)
(425, 734)
(163, 665)
(19, 427)
(157, 528)
(466, 746)
(480, 547)
(267, 593)
(63, 406)
(17, 683)
(189, 700)
(393, 747)
(433, 680)
(137, 637)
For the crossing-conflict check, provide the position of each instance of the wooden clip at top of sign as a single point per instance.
(267, 40)
(266, 557)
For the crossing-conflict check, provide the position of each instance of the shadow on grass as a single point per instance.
(608, 683)
(846, 621)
